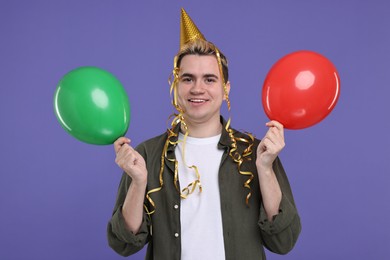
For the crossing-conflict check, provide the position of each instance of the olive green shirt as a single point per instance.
(246, 229)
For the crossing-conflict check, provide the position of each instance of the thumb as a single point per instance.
(120, 142)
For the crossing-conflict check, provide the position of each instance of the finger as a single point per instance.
(120, 142)
(276, 140)
(125, 150)
(271, 147)
(266, 145)
(126, 156)
(274, 135)
(276, 124)
(277, 134)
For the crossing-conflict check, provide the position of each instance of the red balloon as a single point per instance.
(300, 89)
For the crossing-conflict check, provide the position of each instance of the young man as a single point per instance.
(203, 190)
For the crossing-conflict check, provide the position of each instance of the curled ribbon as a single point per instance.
(234, 153)
(172, 135)
(240, 158)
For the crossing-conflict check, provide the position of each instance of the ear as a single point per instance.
(227, 90)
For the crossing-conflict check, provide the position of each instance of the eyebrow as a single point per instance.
(209, 75)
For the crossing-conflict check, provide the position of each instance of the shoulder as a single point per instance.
(246, 137)
(152, 146)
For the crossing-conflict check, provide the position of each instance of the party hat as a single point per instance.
(188, 30)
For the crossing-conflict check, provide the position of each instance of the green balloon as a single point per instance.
(92, 106)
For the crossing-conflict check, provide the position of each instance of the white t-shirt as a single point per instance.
(200, 213)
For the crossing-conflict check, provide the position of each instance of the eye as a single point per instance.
(210, 80)
(186, 79)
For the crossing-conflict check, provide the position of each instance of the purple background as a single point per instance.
(57, 194)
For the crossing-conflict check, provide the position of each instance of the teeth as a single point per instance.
(198, 100)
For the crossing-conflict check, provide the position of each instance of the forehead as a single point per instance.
(199, 64)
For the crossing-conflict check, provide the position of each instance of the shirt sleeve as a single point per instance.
(120, 239)
(281, 234)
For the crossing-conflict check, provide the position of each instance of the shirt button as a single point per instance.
(176, 234)
(176, 206)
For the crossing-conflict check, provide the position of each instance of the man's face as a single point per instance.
(200, 91)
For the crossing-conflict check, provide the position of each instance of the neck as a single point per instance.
(203, 130)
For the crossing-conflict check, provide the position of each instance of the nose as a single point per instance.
(197, 87)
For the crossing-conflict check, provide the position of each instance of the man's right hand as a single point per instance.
(130, 161)
(134, 165)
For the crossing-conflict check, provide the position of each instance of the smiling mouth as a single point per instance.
(197, 100)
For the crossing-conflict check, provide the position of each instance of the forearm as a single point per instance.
(270, 191)
(132, 209)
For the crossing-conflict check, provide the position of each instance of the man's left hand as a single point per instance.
(270, 146)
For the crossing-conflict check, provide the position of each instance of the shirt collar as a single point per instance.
(224, 141)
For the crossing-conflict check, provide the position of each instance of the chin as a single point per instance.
(199, 118)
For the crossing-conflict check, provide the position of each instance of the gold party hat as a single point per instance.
(188, 30)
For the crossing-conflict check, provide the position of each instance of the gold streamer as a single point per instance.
(234, 153)
(171, 134)
(223, 78)
(187, 191)
(240, 158)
